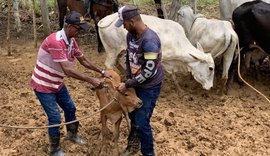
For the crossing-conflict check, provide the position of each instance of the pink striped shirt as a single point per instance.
(48, 75)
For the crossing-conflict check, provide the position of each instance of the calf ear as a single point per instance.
(199, 46)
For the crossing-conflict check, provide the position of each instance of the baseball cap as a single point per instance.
(126, 12)
(76, 18)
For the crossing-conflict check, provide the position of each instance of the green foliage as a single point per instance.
(185, 2)
(28, 3)
(203, 2)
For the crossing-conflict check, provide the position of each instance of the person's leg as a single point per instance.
(143, 115)
(48, 102)
(66, 103)
(87, 7)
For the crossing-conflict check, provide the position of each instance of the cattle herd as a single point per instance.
(248, 26)
(194, 44)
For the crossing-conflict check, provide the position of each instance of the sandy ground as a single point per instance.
(193, 122)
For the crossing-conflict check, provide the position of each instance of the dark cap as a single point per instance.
(76, 18)
(126, 12)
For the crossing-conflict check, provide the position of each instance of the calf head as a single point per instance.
(129, 100)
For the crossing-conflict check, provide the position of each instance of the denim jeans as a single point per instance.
(140, 118)
(51, 102)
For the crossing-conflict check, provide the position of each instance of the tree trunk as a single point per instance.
(34, 23)
(193, 5)
(16, 15)
(45, 17)
(8, 28)
(175, 6)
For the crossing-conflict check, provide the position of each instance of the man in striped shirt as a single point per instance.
(55, 61)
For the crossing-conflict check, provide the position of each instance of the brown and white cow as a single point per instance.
(121, 105)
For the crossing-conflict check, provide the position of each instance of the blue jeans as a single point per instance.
(50, 103)
(140, 118)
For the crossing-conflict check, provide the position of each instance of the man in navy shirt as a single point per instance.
(145, 73)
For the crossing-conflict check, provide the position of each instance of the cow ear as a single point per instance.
(180, 12)
(199, 46)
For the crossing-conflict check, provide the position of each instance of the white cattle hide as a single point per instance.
(177, 51)
(215, 36)
(227, 7)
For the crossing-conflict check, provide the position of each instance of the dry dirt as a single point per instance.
(194, 122)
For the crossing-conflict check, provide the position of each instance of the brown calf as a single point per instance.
(122, 104)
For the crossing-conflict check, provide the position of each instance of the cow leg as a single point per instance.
(176, 83)
(258, 73)
(100, 46)
(62, 7)
(116, 132)
(227, 62)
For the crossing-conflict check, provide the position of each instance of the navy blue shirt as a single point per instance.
(142, 72)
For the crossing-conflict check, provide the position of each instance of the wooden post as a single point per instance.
(8, 28)
(16, 15)
(193, 5)
(45, 17)
(34, 23)
(175, 6)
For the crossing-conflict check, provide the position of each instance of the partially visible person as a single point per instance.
(145, 73)
(55, 61)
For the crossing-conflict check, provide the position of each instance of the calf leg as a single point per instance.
(104, 129)
(104, 132)
(116, 132)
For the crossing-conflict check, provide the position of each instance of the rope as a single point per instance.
(58, 125)
(239, 74)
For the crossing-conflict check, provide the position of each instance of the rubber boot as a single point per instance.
(134, 145)
(54, 148)
(72, 133)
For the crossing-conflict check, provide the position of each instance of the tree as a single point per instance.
(176, 5)
(8, 28)
(34, 23)
(193, 5)
(16, 15)
(45, 17)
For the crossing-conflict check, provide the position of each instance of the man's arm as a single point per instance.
(71, 72)
(88, 64)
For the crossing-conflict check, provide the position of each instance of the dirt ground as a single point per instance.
(194, 122)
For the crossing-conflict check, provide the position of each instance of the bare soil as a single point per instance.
(193, 122)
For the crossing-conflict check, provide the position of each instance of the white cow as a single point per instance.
(227, 7)
(177, 51)
(215, 36)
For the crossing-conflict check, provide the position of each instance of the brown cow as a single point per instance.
(122, 104)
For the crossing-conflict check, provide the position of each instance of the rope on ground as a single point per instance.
(58, 125)
(239, 74)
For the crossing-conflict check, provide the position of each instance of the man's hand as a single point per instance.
(97, 83)
(106, 74)
(122, 88)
